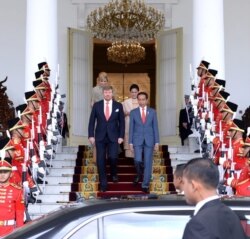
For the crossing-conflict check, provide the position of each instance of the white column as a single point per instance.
(208, 34)
(41, 38)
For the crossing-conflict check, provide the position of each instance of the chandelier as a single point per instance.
(125, 20)
(126, 52)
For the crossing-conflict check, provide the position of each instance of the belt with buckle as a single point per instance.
(7, 223)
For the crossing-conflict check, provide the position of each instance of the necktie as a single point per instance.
(107, 111)
(62, 120)
(143, 115)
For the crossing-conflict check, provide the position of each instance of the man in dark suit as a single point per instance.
(212, 219)
(62, 123)
(106, 131)
(185, 120)
(143, 138)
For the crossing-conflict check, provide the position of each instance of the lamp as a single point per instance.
(126, 52)
(126, 20)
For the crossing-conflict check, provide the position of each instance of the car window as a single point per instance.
(134, 225)
(88, 231)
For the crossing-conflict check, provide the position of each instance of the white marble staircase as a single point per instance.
(56, 192)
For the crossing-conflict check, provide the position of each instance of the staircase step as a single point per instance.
(63, 163)
(60, 171)
(122, 169)
(43, 208)
(69, 149)
(53, 198)
(119, 194)
(65, 156)
(57, 188)
(59, 179)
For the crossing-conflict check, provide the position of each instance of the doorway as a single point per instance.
(165, 80)
(122, 76)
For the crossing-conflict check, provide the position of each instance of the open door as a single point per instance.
(169, 86)
(79, 85)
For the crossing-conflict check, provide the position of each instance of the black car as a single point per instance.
(134, 217)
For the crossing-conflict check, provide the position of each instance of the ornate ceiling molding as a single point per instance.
(84, 7)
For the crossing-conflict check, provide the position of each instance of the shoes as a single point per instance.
(137, 179)
(40, 181)
(115, 179)
(103, 189)
(33, 200)
(197, 151)
(145, 190)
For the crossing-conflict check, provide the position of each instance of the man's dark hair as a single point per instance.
(202, 170)
(179, 169)
(142, 93)
(134, 86)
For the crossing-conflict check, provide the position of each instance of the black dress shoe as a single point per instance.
(103, 189)
(115, 179)
(145, 190)
(39, 181)
(137, 179)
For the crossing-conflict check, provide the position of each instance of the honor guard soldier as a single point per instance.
(234, 162)
(219, 85)
(16, 153)
(242, 183)
(42, 75)
(45, 67)
(207, 80)
(41, 89)
(219, 101)
(33, 103)
(202, 68)
(11, 200)
(228, 113)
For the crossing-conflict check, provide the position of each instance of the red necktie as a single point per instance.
(62, 120)
(143, 115)
(107, 111)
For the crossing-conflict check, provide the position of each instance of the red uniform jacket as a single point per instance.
(12, 208)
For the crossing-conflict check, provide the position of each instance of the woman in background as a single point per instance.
(128, 105)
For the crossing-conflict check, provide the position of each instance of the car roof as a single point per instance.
(76, 211)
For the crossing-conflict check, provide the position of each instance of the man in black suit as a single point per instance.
(62, 123)
(185, 120)
(106, 131)
(212, 219)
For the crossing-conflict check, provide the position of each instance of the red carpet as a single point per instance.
(85, 179)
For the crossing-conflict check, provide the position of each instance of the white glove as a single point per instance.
(41, 170)
(222, 160)
(34, 159)
(229, 181)
(34, 165)
(25, 184)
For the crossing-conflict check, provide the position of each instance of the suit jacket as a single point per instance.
(99, 127)
(214, 221)
(183, 118)
(147, 132)
(62, 123)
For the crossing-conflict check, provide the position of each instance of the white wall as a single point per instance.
(12, 48)
(66, 18)
(237, 51)
(182, 17)
(237, 45)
